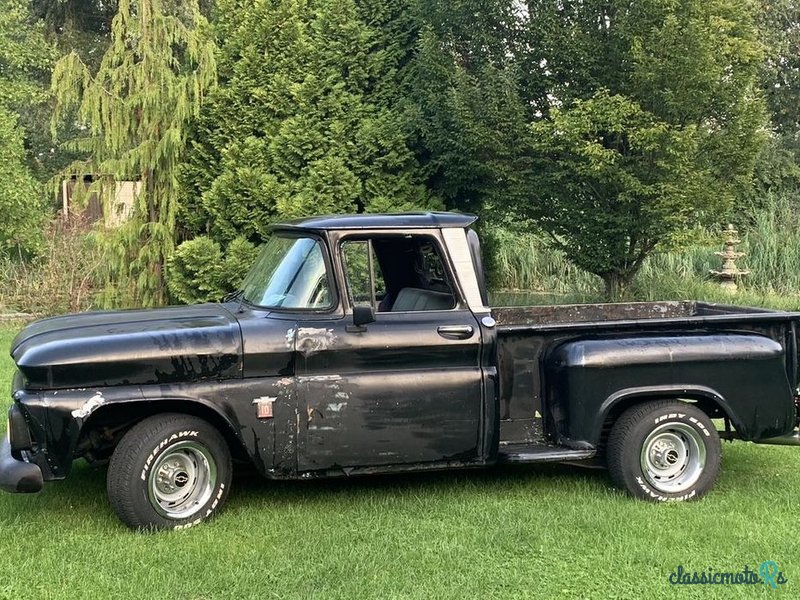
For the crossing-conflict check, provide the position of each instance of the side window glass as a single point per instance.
(356, 256)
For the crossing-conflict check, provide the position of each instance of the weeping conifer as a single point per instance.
(151, 80)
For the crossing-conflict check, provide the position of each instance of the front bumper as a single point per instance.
(17, 475)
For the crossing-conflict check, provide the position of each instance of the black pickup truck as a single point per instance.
(365, 344)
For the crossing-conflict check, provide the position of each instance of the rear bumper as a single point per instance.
(16, 475)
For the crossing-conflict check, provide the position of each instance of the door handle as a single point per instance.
(456, 332)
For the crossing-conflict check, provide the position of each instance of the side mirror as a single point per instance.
(363, 315)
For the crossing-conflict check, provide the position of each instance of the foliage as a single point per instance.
(21, 200)
(778, 166)
(306, 120)
(83, 26)
(25, 56)
(24, 59)
(779, 21)
(652, 123)
(467, 111)
(309, 119)
(198, 271)
(772, 245)
(150, 82)
(770, 241)
(615, 127)
(61, 278)
(615, 183)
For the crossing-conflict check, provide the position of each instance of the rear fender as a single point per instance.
(743, 375)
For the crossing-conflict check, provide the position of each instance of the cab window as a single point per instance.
(397, 274)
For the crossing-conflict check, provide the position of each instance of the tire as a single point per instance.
(170, 471)
(664, 450)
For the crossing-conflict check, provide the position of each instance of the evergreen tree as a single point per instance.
(469, 112)
(150, 82)
(307, 118)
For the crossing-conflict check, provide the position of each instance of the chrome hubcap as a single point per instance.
(182, 480)
(673, 457)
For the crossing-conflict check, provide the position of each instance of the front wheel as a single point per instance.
(664, 450)
(170, 471)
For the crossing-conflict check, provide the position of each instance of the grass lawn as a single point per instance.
(525, 532)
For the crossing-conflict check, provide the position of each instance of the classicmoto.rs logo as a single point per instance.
(767, 574)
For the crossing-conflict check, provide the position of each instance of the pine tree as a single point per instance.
(151, 80)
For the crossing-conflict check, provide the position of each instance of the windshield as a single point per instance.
(290, 272)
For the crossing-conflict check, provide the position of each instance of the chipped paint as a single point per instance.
(290, 338)
(89, 406)
(318, 378)
(311, 340)
(310, 410)
(336, 406)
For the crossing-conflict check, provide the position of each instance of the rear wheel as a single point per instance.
(664, 450)
(170, 471)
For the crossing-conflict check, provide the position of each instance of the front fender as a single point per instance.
(56, 418)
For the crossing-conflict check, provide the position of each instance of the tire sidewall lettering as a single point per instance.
(197, 520)
(163, 445)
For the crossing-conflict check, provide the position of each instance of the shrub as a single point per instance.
(21, 200)
(60, 279)
(199, 271)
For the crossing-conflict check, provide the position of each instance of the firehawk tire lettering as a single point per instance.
(161, 446)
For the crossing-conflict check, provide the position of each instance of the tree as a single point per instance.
(778, 166)
(652, 122)
(468, 111)
(151, 80)
(614, 181)
(21, 198)
(779, 21)
(25, 58)
(306, 119)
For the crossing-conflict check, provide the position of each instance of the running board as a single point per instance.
(516, 454)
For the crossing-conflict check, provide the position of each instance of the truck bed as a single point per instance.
(527, 336)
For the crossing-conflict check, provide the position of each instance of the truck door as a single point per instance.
(406, 388)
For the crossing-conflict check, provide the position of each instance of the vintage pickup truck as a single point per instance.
(364, 344)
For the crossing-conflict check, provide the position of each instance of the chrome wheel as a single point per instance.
(673, 457)
(182, 480)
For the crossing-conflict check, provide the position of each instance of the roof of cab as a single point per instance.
(417, 220)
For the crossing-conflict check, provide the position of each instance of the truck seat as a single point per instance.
(417, 299)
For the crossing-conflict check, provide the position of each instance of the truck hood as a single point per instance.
(130, 347)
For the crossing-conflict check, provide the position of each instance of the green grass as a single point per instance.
(525, 532)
